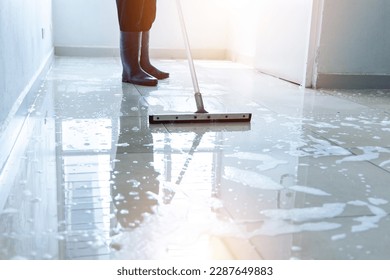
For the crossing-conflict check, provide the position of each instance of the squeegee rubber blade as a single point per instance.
(200, 118)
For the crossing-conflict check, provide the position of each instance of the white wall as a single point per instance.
(85, 23)
(354, 48)
(250, 31)
(94, 23)
(243, 28)
(206, 22)
(23, 51)
(25, 56)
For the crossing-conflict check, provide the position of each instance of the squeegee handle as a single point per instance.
(187, 46)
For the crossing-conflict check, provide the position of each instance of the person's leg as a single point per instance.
(148, 17)
(129, 50)
(130, 17)
(145, 60)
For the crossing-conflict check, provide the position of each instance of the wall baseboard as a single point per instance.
(15, 121)
(86, 51)
(213, 54)
(241, 58)
(209, 54)
(341, 81)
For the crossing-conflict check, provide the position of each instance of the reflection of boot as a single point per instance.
(145, 61)
(132, 72)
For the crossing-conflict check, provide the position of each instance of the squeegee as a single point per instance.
(201, 115)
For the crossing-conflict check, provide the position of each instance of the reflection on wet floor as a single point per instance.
(90, 178)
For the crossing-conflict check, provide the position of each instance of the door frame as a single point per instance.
(311, 69)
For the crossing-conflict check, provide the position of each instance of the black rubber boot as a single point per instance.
(130, 50)
(145, 60)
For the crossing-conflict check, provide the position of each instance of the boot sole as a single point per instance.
(150, 83)
(159, 75)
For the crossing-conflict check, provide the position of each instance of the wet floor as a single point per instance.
(90, 178)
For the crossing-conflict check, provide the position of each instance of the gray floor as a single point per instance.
(89, 178)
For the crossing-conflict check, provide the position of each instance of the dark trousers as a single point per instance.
(136, 15)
